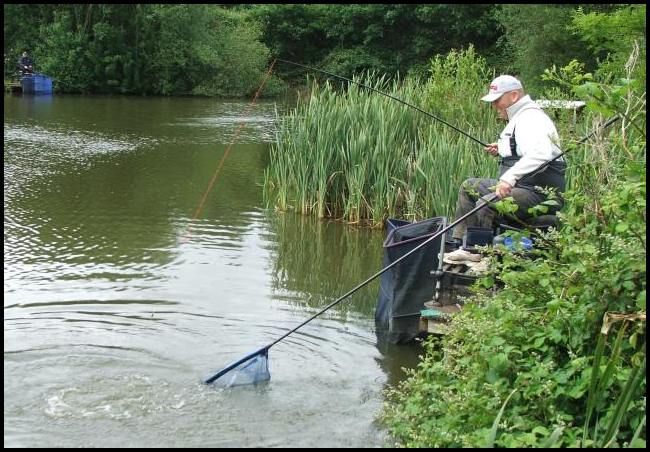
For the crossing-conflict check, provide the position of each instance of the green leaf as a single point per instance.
(541, 430)
(496, 341)
(622, 227)
(553, 439)
(638, 443)
(491, 376)
(493, 431)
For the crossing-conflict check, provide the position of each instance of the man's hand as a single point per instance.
(503, 189)
(492, 149)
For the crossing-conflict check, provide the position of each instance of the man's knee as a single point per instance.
(469, 188)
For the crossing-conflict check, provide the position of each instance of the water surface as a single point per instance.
(119, 299)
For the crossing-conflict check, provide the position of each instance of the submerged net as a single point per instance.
(408, 284)
(252, 369)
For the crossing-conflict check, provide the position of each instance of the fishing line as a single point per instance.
(199, 209)
(389, 96)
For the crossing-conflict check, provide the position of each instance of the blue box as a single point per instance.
(36, 84)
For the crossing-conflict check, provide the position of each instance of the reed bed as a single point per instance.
(357, 156)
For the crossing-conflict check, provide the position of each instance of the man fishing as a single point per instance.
(25, 64)
(529, 160)
(528, 140)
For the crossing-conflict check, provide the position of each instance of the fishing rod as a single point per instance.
(387, 95)
(484, 201)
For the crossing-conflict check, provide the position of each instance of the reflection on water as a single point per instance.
(117, 302)
(235, 121)
(319, 261)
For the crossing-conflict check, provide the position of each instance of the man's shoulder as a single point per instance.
(533, 112)
(534, 121)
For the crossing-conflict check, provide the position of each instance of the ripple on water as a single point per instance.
(119, 397)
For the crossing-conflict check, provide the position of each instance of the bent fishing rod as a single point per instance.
(484, 201)
(387, 95)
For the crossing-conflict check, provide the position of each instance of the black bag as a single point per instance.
(404, 288)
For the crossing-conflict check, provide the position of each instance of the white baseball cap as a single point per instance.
(501, 85)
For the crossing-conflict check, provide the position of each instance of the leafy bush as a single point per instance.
(538, 337)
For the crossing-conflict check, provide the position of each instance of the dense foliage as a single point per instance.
(223, 50)
(140, 48)
(384, 38)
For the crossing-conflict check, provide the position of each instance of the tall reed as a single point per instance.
(355, 155)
